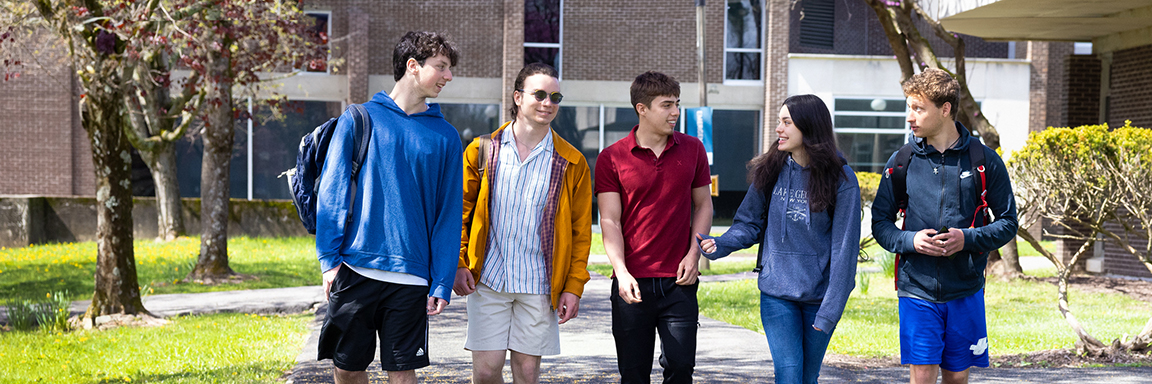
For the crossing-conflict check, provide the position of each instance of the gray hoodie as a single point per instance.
(809, 257)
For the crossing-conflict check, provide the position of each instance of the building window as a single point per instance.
(543, 32)
(319, 32)
(472, 120)
(743, 40)
(870, 130)
(817, 23)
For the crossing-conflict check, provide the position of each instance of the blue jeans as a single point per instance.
(797, 348)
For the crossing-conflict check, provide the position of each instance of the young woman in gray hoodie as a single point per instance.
(803, 208)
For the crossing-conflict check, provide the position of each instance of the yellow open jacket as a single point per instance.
(567, 232)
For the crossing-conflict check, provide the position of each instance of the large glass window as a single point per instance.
(319, 32)
(743, 40)
(618, 122)
(276, 142)
(472, 120)
(543, 27)
(190, 157)
(580, 126)
(869, 130)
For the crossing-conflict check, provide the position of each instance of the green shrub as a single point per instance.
(869, 182)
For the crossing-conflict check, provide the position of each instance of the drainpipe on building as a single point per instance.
(704, 262)
(700, 52)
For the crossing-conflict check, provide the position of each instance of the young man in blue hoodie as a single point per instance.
(393, 264)
(946, 238)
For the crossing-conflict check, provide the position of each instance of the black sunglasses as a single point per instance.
(540, 95)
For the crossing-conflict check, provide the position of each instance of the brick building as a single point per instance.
(757, 53)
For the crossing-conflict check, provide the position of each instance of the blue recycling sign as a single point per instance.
(699, 123)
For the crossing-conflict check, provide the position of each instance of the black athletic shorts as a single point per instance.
(361, 309)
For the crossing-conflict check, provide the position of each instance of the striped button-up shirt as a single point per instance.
(515, 258)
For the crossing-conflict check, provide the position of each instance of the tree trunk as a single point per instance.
(1010, 253)
(117, 289)
(218, 136)
(1086, 342)
(162, 162)
(1004, 262)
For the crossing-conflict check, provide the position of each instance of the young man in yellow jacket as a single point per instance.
(527, 226)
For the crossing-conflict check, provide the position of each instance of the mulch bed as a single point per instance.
(1057, 358)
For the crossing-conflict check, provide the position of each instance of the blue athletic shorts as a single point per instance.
(953, 335)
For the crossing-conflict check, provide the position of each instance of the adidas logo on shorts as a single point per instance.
(420, 352)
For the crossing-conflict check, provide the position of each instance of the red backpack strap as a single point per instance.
(976, 158)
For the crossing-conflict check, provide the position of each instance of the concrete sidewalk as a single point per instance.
(725, 354)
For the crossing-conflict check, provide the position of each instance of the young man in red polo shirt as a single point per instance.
(652, 188)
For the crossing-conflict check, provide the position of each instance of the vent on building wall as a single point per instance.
(817, 23)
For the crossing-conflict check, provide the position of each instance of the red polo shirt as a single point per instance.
(655, 198)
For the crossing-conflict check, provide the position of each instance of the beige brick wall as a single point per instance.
(616, 40)
(474, 25)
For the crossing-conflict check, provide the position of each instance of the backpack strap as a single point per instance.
(362, 133)
(899, 176)
(976, 157)
(362, 129)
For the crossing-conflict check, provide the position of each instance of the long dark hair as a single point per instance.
(812, 118)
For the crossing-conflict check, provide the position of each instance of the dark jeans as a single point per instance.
(666, 308)
(797, 348)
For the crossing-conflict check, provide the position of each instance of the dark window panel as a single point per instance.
(318, 33)
(869, 151)
(541, 55)
(870, 105)
(742, 66)
(542, 21)
(849, 121)
(190, 156)
(472, 120)
(276, 142)
(817, 25)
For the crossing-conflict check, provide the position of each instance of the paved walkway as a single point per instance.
(726, 353)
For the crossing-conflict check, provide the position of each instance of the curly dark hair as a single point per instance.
(421, 45)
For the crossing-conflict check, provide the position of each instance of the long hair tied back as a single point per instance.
(812, 118)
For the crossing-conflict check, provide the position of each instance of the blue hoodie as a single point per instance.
(408, 200)
(809, 257)
(942, 191)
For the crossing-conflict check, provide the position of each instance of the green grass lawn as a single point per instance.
(232, 348)
(1022, 316)
(31, 272)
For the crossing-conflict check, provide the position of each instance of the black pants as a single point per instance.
(666, 308)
